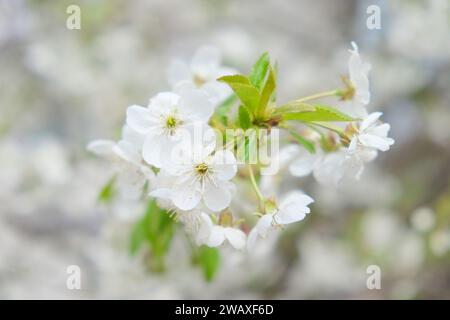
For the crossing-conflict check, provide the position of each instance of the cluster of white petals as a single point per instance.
(169, 150)
(132, 172)
(367, 136)
(202, 72)
(293, 208)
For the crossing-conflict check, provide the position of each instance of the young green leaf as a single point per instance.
(247, 93)
(137, 238)
(108, 191)
(268, 90)
(209, 259)
(321, 113)
(244, 118)
(259, 71)
(294, 107)
(155, 228)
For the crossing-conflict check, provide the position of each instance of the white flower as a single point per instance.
(169, 118)
(337, 166)
(371, 135)
(346, 164)
(305, 162)
(132, 173)
(293, 208)
(202, 178)
(214, 235)
(202, 72)
(331, 168)
(359, 84)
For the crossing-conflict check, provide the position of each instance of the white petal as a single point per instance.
(303, 165)
(101, 147)
(236, 238)
(355, 65)
(358, 109)
(265, 225)
(294, 207)
(184, 86)
(217, 237)
(163, 193)
(217, 197)
(362, 93)
(139, 118)
(197, 103)
(186, 196)
(151, 151)
(164, 100)
(132, 136)
(298, 198)
(373, 141)
(352, 167)
(224, 163)
(197, 139)
(178, 71)
(205, 61)
(290, 215)
(368, 154)
(204, 230)
(369, 121)
(217, 91)
(329, 170)
(380, 130)
(127, 152)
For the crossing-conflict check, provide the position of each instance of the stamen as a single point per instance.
(199, 81)
(201, 169)
(203, 173)
(171, 122)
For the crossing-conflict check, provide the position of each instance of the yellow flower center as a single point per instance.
(199, 81)
(202, 169)
(171, 122)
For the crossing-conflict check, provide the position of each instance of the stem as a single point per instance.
(319, 95)
(254, 184)
(330, 127)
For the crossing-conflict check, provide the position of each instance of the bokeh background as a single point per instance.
(61, 88)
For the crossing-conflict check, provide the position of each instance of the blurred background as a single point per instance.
(61, 88)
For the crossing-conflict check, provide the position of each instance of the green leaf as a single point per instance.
(259, 71)
(156, 229)
(137, 238)
(108, 191)
(321, 113)
(247, 93)
(294, 107)
(309, 145)
(268, 90)
(244, 118)
(209, 259)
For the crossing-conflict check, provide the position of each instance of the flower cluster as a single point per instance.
(174, 151)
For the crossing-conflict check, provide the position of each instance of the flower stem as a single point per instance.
(330, 127)
(254, 184)
(319, 95)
